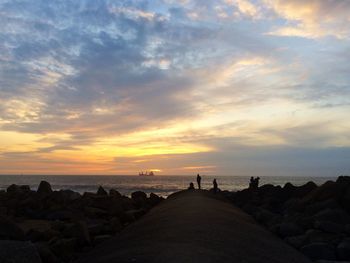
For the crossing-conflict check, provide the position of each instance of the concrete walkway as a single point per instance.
(194, 226)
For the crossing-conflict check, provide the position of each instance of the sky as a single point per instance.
(225, 87)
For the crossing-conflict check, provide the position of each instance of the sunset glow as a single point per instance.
(175, 87)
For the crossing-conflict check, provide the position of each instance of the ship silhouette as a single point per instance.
(151, 173)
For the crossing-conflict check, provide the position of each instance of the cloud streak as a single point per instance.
(98, 86)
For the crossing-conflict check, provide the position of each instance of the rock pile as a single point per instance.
(58, 225)
(314, 219)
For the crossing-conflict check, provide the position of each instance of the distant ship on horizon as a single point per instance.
(151, 173)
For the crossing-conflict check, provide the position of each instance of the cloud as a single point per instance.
(183, 82)
(312, 19)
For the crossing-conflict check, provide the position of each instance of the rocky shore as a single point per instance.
(57, 226)
(313, 219)
(62, 226)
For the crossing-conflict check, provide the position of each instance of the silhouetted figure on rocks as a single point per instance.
(251, 183)
(215, 186)
(257, 182)
(191, 187)
(199, 178)
(254, 182)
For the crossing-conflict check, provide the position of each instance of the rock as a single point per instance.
(114, 193)
(63, 248)
(63, 215)
(101, 238)
(288, 230)
(79, 231)
(316, 236)
(96, 229)
(333, 215)
(95, 212)
(3, 210)
(18, 252)
(329, 227)
(35, 235)
(347, 229)
(45, 253)
(138, 195)
(139, 198)
(319, 251)
(296, 241)
(305, 189)
(266, 217)
(343, 250)
(115, 224)
(57, 225)
(317, 207)
(18, 189)
(65, 196)
(9, 230)
(44, 188)
(101, 191)
(154, 199)
(40, 225)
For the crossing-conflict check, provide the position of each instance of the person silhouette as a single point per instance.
(257, 182)
(199, 178)
(215, 186)
(251, 183)
(191, 187)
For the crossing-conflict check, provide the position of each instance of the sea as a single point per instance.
(160, 184)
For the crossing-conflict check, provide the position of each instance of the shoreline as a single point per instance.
(60, 226)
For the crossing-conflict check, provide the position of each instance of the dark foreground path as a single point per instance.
(194, 226)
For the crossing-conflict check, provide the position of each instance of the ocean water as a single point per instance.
(161, 185)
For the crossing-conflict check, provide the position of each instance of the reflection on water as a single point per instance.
(161, 185)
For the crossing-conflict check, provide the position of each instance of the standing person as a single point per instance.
(257, 182)
(199, 181)
(251, 183)
(215, 186)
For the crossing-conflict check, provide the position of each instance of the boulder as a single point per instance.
(139, 198)
(297, 241)
(63, 215)
(96, 228)
(317, 207)
(305, 189)
(114, 193)
(319, 251)
(101, 238)
(316, 236)
(288, 230)
(10, 230)
(101, 191)
(35, 235)
(329, 227)
(329, 190)
(44, 188)
(18, 189)
(138, 195)
(343, 250)
(65, 196)
(79, 231)
(18, 252)
(266, 217)
(347, 229)
(95, 212)
(154, 199)
(115, 224)
(63, 248)
(45, 253)
(3, 210)
(338, 216)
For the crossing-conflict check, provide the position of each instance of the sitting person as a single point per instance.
(191, 187)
